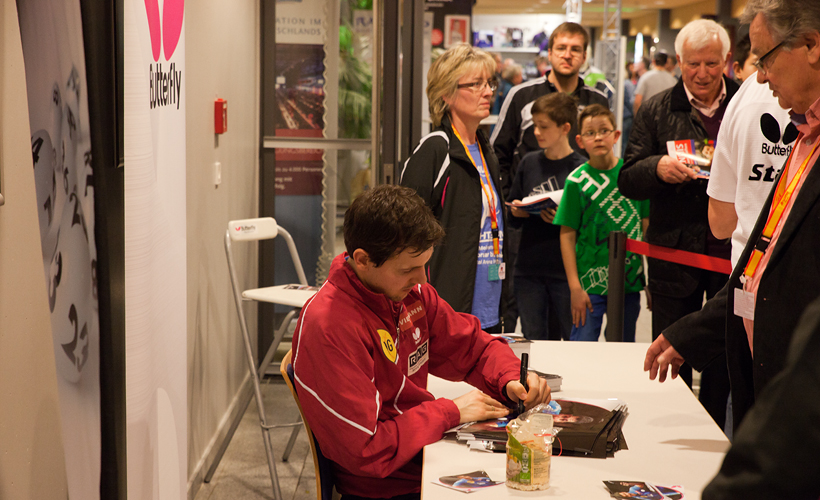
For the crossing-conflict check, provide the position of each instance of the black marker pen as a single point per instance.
(524, 362)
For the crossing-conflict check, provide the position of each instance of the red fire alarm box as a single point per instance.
(220, 116)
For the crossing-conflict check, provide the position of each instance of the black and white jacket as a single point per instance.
(442, 173)
(514, 137)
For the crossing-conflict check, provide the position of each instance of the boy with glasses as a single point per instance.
(590, 209)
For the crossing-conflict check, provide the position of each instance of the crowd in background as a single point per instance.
(685, 96)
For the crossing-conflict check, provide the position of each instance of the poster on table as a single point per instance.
(155, 249)
(52, 40)
(301, 34)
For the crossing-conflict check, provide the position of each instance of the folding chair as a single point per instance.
(289, 295)
(324, 472)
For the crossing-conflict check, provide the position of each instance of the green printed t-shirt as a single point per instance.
(593, 206)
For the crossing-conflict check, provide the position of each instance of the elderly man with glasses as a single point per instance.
(755, 319)
(691, 110)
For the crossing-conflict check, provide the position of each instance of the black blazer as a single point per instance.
(790, 282)
(771, 455)
(678, 216)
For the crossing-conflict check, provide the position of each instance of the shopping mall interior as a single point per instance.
(182, 117)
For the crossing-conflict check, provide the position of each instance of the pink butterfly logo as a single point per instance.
(171, 28)
(239, 228)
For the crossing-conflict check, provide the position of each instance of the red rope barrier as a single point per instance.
(680, 256)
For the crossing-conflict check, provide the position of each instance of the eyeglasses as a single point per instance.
(574, 50)
(478, 85)
(761, 62)
(590, 134)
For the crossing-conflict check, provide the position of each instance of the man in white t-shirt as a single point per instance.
(754, 140)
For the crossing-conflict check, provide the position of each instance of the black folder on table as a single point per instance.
(587, 429)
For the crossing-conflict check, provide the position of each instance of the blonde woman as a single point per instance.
(456, 172)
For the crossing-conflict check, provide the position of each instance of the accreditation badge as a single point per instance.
(497, 272)
(744, 304)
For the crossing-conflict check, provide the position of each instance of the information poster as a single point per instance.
(301, 34)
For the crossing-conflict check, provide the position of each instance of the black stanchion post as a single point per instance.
(615, 288)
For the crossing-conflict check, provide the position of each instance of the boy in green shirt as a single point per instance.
(590, 209)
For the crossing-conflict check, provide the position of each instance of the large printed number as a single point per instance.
(77, 218)
(35, 149)
(388, 345)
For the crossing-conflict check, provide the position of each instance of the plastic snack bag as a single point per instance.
(529, 449)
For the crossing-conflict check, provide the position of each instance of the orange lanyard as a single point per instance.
(488, 192)
(782, 196)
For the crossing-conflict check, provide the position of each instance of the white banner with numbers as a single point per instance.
(52, 39)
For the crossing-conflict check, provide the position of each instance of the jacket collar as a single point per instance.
(553, 88)
(343, 277)
(680, 101)
(456, 149)
(806, 199)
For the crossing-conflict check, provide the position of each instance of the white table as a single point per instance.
(280, 294)
(672, 440)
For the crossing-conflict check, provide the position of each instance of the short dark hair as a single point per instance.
(569, 29)
(385, 220)
(594, 110)
(661, 58)
(559, 107)
(742, 49)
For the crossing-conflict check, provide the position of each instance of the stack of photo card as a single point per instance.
(589, 428)
(643, 491)
(553, 381)
(695, 153)
(487, 435)
(517, 342)
(467, 482)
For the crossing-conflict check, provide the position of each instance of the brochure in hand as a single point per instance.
(533, 204)
(691, 152)
(467, 482)
(643, 491)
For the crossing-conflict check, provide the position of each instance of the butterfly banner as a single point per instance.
(155, 248)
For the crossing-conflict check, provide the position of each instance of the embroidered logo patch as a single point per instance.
(410, 315)
(388, 346)
(417, 359)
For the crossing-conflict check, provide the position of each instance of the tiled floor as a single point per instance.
(243, 471)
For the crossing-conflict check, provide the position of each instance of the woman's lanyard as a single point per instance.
(488, 192)
(782, 196)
